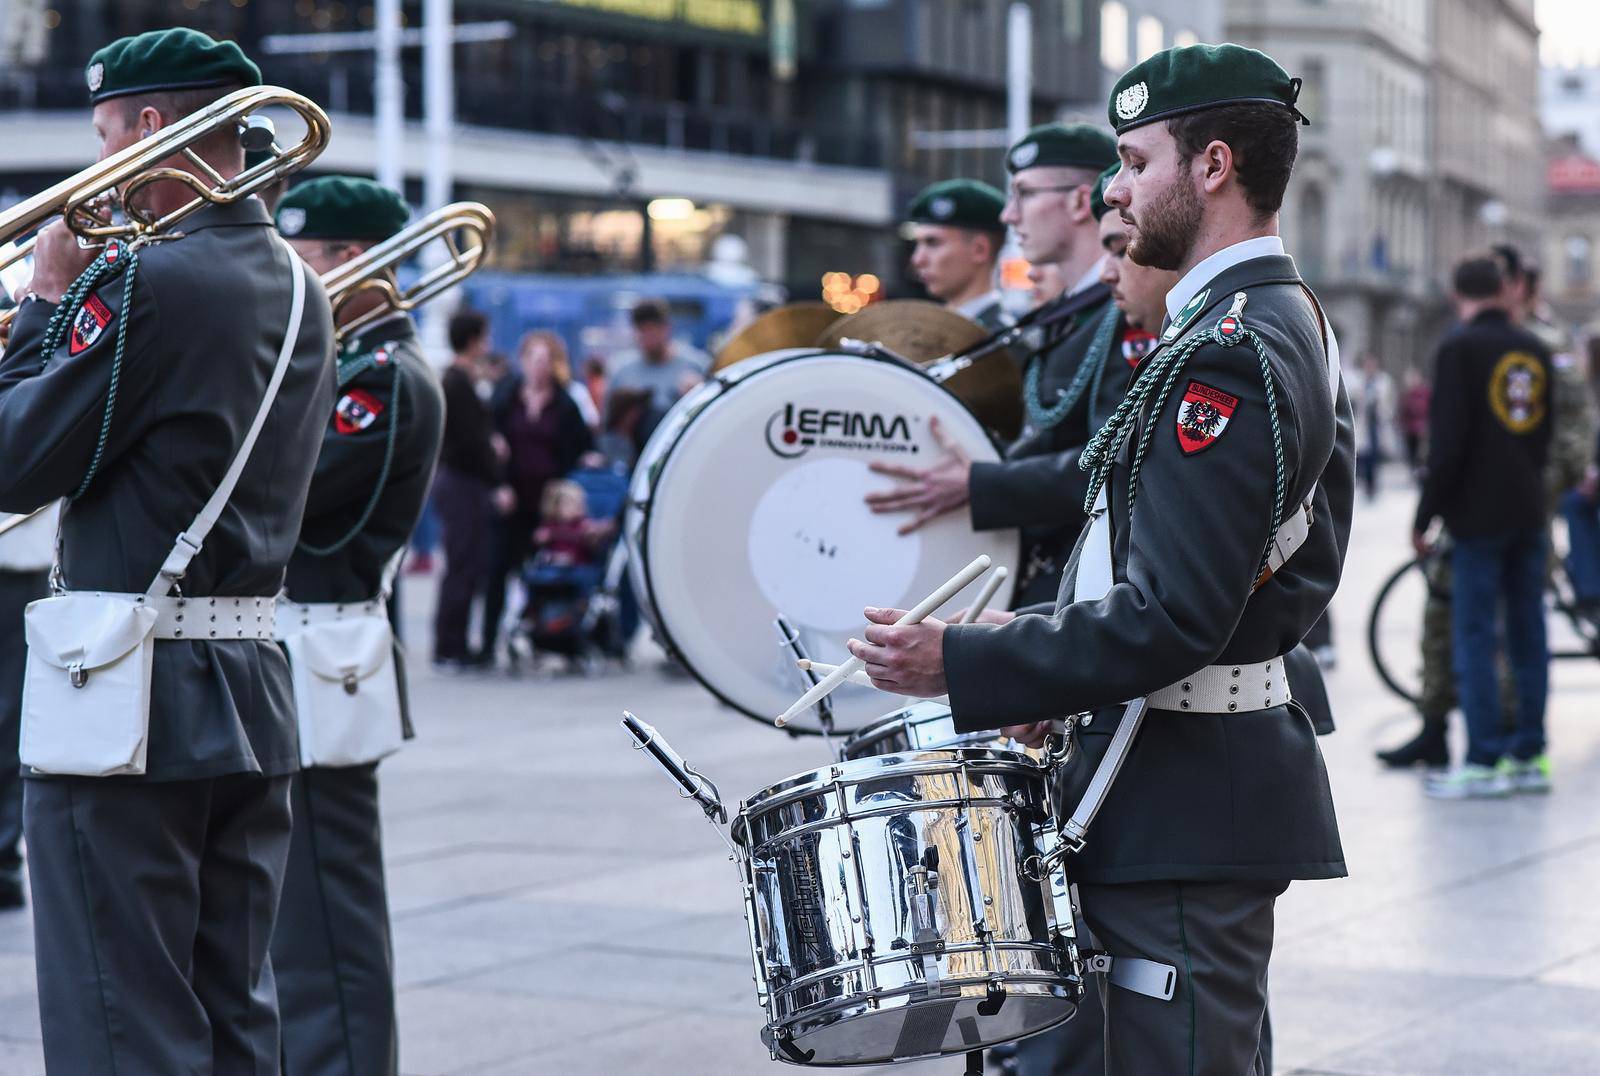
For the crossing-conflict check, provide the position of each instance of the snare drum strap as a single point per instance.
(1148, 977)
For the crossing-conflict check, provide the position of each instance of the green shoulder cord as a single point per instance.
(367, 362)
(113, 259)
(1157, 376)
(1048, 418)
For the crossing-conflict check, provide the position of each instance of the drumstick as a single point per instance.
(920, 612)
(990, 585)
(824, 669)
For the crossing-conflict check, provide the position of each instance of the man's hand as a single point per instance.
(58, 260)
(1420, 543)
(1031, 735)
(930, 492)
(907, 659)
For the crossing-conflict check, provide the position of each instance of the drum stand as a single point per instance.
(789, 637)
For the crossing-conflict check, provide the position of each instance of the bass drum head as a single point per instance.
(748, 502)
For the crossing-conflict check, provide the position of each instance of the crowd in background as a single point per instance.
(532, 479)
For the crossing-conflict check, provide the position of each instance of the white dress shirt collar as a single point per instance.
(1213, 267)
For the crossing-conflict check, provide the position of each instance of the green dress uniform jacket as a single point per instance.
(1207, 797)
(1038, 486)
(192, 377)
(331, 950)
(358, 482)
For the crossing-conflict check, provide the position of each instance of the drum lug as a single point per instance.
(969, 869)
(922, 899)
(994, 999)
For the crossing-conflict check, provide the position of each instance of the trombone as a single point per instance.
(373, 270)
(87, 201)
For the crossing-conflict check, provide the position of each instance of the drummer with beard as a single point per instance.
(1220, 519)
(956, 238)
(1038, 486)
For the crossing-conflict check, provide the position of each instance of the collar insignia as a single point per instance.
(1186, 313)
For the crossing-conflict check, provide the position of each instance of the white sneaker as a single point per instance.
(1469, 782)
(1530, 776)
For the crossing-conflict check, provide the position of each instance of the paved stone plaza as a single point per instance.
(559, 911)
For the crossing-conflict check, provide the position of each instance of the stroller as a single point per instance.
(562, 613)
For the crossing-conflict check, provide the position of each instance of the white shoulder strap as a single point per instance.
(187, 547)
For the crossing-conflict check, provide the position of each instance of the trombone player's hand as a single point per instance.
(58, 260)
(930, 492)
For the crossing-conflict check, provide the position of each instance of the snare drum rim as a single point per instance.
(823, 779)
(646, 508)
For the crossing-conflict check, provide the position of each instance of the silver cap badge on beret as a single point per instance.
(1024, 155)
(1132, 101)
(95, 76)
(943, 208)
(291, 220)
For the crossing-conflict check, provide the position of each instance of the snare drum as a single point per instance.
(922, 726)
(748, 502)
(897, 909)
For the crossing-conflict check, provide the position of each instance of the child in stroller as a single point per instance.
(578, 524)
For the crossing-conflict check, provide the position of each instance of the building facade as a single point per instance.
(1569, 104)
(1424, 144)
(1571, 254)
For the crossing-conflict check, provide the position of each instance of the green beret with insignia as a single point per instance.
(1063, 145)
(162, 60)
(1097, 197)
(960, 203)
(1196, 77)
(341, 207)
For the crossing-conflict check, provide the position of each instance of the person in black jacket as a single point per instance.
(469, 471)
(154, 895)
(1489, 434)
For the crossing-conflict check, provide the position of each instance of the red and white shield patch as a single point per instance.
(1136, 344)
(1202, 416)
(356, 410)
(89, 325)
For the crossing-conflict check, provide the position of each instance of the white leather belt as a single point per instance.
(1227, 689)
(295, 615)
(203, 619)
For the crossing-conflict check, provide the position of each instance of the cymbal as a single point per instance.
(992, 388)
(912, 328)
(793, 325)
(926, 332)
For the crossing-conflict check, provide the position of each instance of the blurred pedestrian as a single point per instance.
(666, 367)
(545, 434)
(1372, 397)
(1489, 437)
(1414, 420)
(469, 470)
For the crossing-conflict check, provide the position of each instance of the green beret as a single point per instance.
(1097, 197)
(960, 203)
(1063, 145)
(176, 59)
(341, 207)
(1197, 77)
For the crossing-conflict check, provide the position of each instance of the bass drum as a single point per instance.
(748, 502)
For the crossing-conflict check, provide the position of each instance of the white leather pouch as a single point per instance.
(86, 686)
(346, 691)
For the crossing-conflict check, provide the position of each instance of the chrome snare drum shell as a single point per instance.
(898, 909)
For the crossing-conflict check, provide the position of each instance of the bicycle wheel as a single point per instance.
(1394, 630)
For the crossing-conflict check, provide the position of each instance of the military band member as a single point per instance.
(154, 894)
(331, 950)
(957, 238)
(1038, 487)
(26, 554)
(1181, 589)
